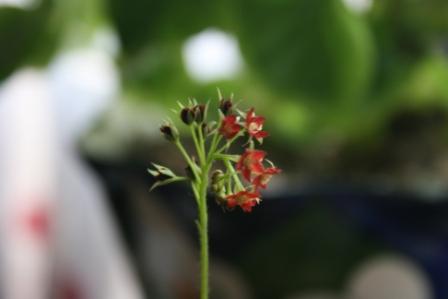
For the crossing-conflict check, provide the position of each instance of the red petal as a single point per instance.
(258, 119)
(257, 154)
(231, 201)
(247, 206)
(230, 119)
(261, 134)
(272, 170)
(246, 173)
(257, 168)
(258, 182)
(250, 114)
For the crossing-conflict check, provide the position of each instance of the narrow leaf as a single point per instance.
(166, 182)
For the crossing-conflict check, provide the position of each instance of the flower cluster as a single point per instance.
(243, 175)
(250, 164)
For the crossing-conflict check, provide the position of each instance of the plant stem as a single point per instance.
(201, 140)
(197, 143)
(234, 174)
(203, 231)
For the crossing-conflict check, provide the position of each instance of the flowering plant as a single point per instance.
(242, 176)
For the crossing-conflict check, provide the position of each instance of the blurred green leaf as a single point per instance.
(25, 37)
(312, 48)
(142, 22)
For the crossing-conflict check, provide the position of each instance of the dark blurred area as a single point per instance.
(355, 94)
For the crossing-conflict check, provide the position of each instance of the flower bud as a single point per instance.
(217, 182)
(225, 105)
(187, 116)
(170, 132)
(199, 111)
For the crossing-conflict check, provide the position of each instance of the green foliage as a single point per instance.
(24, 36)
(312, 65)
(32, 36)
(312, 48)
(140, 23)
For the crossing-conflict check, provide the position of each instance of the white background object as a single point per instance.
(212, 55)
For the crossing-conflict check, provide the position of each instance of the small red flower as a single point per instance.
(229, 127)
(245, 199)
(263, 179)
(254, 125)
(251, 163)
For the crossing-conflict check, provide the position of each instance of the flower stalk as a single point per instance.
(238, 184)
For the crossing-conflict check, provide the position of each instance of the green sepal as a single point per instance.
(163, 170)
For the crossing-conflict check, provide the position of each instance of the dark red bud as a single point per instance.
(169, 132)
(225, 105)
(199, 111)
(187, 115)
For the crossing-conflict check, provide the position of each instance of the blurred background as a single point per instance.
(355, 93)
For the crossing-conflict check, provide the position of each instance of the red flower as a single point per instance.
(245, 199)
(254, 125)
(251, 163)
(229, 127)
(263, 179)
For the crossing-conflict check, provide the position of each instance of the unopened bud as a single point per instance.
(170, 132)
(217, 182)
(199, 111)
(187, 116)
(225, 105)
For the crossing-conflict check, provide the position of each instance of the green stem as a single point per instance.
(223, 157)
(234, 174)
(197, 143)
(200, 191)
(201, 140)
(203, 231)
(215, 141)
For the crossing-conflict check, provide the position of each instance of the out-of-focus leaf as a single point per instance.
(141, 22)
(405, 32)
(313, 48)
(152, 33)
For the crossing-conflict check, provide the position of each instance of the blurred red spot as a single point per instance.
(37, 222)
(70, 290)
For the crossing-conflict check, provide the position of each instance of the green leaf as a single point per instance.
(166, 182)
(315, 49)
